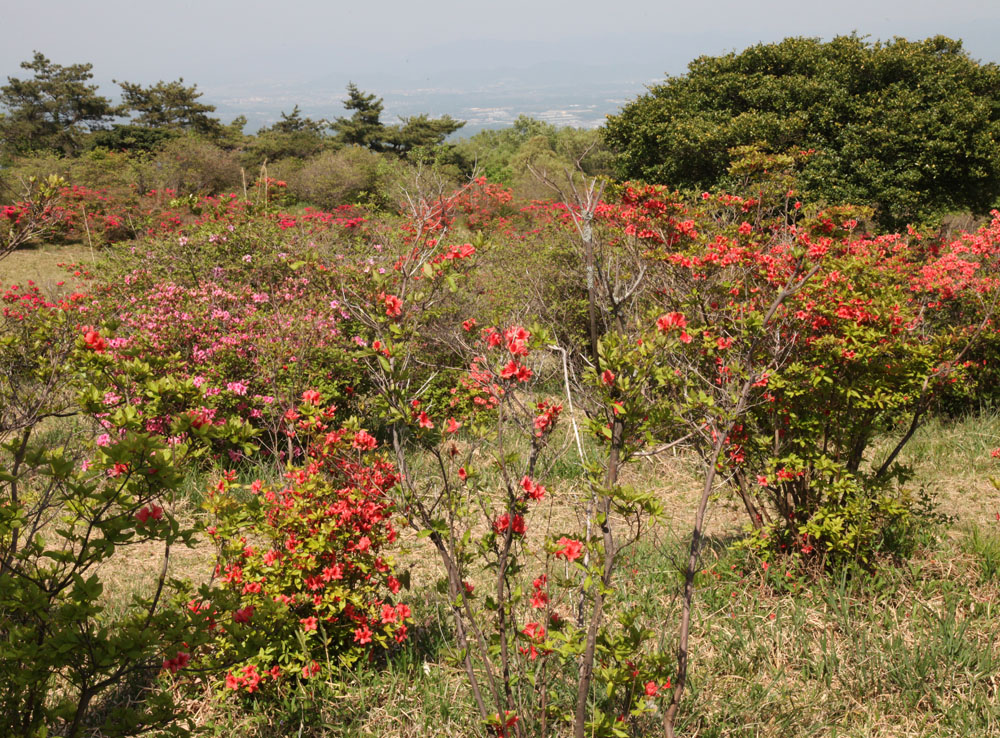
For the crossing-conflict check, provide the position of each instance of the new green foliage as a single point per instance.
(907, 126)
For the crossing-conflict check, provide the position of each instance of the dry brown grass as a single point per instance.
(39, 263)
(908, 651)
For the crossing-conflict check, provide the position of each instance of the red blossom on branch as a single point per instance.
(569, 549)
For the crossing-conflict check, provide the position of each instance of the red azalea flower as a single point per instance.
(532, 488)
(364, 441)
(570, 549)
(393, 305)
(668, 322)
(177, 663)
(539, 599)
(94, 341)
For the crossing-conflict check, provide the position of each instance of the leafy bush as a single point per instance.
(801, 344)
(776, 340)
(339, 177)
(189, 164)
(904, 126)
(238, 310)
(502, 155)
(306, 561)
(83, 482)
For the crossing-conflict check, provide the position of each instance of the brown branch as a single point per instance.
(794, 284)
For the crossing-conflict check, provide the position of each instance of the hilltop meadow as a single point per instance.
(686, 425)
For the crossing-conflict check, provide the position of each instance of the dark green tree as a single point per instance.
(420, 131)
(910, 128)
(294, 123)
(125, 137)
(54, 110)
(169, 105)
(231, 135)
(364, 127)
(293, 136)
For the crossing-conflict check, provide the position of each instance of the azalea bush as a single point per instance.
(872, 331)
(248, 312)
(473, 440)
(532, 654)
(35, 215)
(793, 342)
(249, 351)
(83, 483)
(312, 587)
(52, 208)
(843, 338)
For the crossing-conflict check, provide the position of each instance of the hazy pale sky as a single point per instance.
(225, 45)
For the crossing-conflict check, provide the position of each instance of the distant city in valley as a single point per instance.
(578, 101)
(572, 82)
(495, 106)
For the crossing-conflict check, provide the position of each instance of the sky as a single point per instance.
(266, 54)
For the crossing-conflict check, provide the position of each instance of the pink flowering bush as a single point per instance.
(246, 312)
(249, 352)
(83, 483)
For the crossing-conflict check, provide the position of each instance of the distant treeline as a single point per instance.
(908, 128)
(163, 136)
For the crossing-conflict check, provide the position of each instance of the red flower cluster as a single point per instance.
(94, 341)
(317, 551)
(548, 414)
(177, 663)
(532, 489)
(569, 549)
(501, 524)
(149, 512)
(513, 370)
(393, 305)
(674, 321)
(535, 634)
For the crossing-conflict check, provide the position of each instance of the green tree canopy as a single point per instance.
(293, 136)
(168, 105)
(504, 154)
(365, 126)
(420, 130)
(125, 137)
(910, 128)
(294, 123)
(54, 110)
